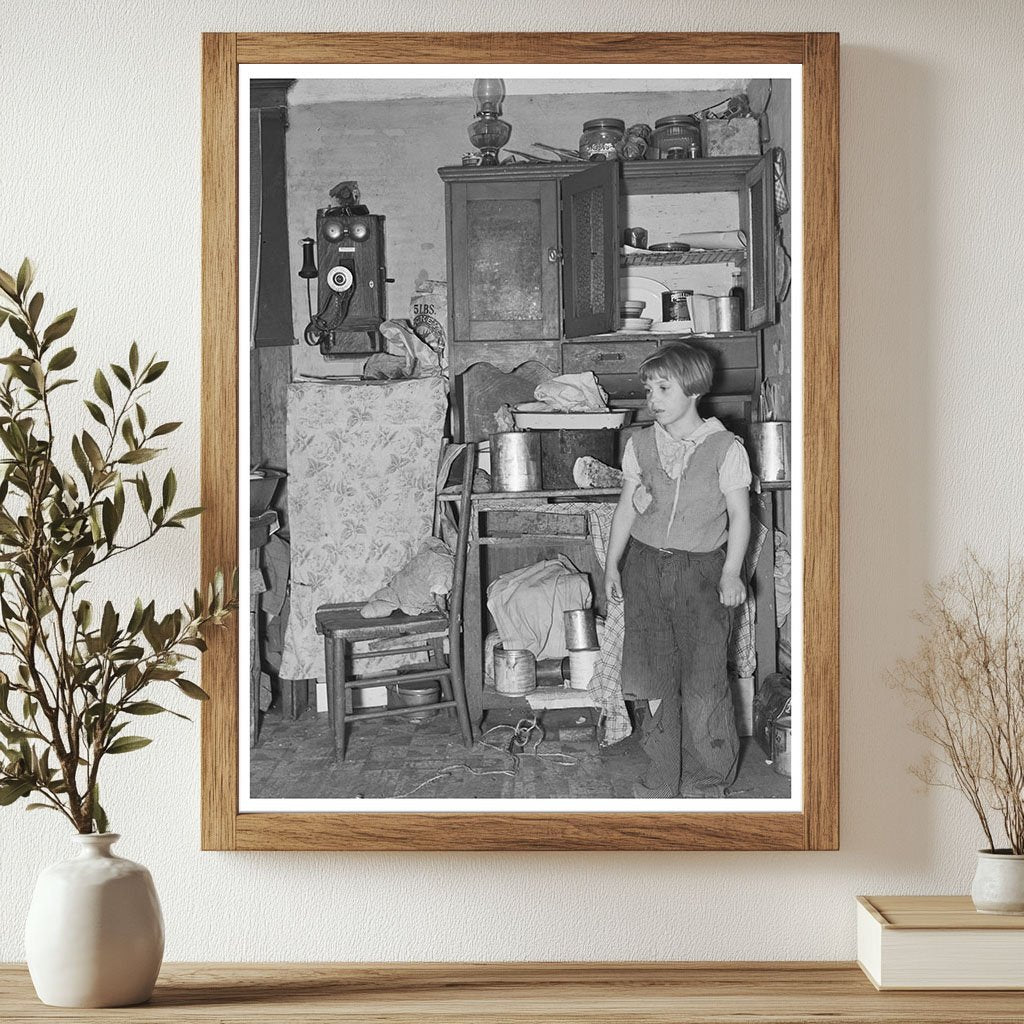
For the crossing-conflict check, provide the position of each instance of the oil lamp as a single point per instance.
(488, 132)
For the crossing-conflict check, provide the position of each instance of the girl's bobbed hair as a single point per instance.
(689, 366)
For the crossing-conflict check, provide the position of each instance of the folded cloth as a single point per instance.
(573, 392)
(418, 587)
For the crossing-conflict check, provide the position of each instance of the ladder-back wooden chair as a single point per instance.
(342, 625)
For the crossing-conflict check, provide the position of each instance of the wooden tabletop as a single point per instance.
(781, 993)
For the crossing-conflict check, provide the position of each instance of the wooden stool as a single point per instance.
(342, 625)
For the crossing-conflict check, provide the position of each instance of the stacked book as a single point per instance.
(938, 942)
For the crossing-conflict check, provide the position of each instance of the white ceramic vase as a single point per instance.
(998, 886)
(95, 933)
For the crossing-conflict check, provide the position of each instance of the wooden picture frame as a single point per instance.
(816, 826)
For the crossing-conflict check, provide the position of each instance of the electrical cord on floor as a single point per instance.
(520, 738)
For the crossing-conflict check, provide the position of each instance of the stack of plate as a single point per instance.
(631, 325)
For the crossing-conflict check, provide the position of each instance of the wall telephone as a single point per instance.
(351, 276)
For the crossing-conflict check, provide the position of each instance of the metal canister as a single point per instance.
(781, 732)
(728, 314)
(515, 671)
(675, 306)
(770, 448)
(580, 629)
(515, 461)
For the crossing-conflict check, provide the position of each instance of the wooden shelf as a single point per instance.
(664, 335)
(477, 993)
(681, 259)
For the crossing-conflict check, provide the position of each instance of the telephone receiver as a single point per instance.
(340, 281)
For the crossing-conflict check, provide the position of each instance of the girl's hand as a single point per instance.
(731, 591)
(612, 585)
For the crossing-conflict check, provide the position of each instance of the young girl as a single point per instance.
(683, 522)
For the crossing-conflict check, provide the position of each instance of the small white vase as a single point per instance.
(95, 934)
(999, 883)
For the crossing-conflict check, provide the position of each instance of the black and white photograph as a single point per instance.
(524, 389)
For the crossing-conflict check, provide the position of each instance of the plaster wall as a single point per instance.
(100, 168)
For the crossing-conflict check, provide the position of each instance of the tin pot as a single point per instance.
(515, 461)
(515, 671)
(411, 695)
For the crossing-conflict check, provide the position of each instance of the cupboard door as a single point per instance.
(757, 218)
(503, 238)
(590, 246)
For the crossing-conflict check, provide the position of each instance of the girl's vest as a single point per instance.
(700, 522)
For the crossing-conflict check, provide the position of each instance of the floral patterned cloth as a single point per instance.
(362, 465)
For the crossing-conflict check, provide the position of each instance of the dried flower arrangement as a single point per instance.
(967, 679)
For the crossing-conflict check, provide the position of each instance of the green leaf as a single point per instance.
(41, 807)
(26, 274)
(60, 326)
(108, 625)
(102, 388)
(63, 359)
(11, 791)
(35, 308)
(154, 372)
(125, 744)
(109, 519)
(20, 328)
(128, 433)
(191, 690)
(140, 415)
(92, 449)
(99, 817)
(95, 412)
(133, 358)
(8, 285)
(144, 707)
(145, 497)
(186, 513)
(166, 428)
(81, 461)
(138, 455)
(170, 488)
(121, 374)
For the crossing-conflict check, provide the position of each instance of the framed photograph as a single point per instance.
(530, 342)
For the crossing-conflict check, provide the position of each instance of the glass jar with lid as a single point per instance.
(599, 138)
(676, 137)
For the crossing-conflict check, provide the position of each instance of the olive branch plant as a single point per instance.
(80, 674)
(966, 680)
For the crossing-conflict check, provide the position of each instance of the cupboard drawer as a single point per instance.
(614, 363)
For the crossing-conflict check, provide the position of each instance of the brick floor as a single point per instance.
(396, 757)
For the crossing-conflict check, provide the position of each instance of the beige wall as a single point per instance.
(100, 171)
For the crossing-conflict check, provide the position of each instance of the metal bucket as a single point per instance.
(580, 629)
(781, 733)
(770, 444)
(515, 461)
(515, 672)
